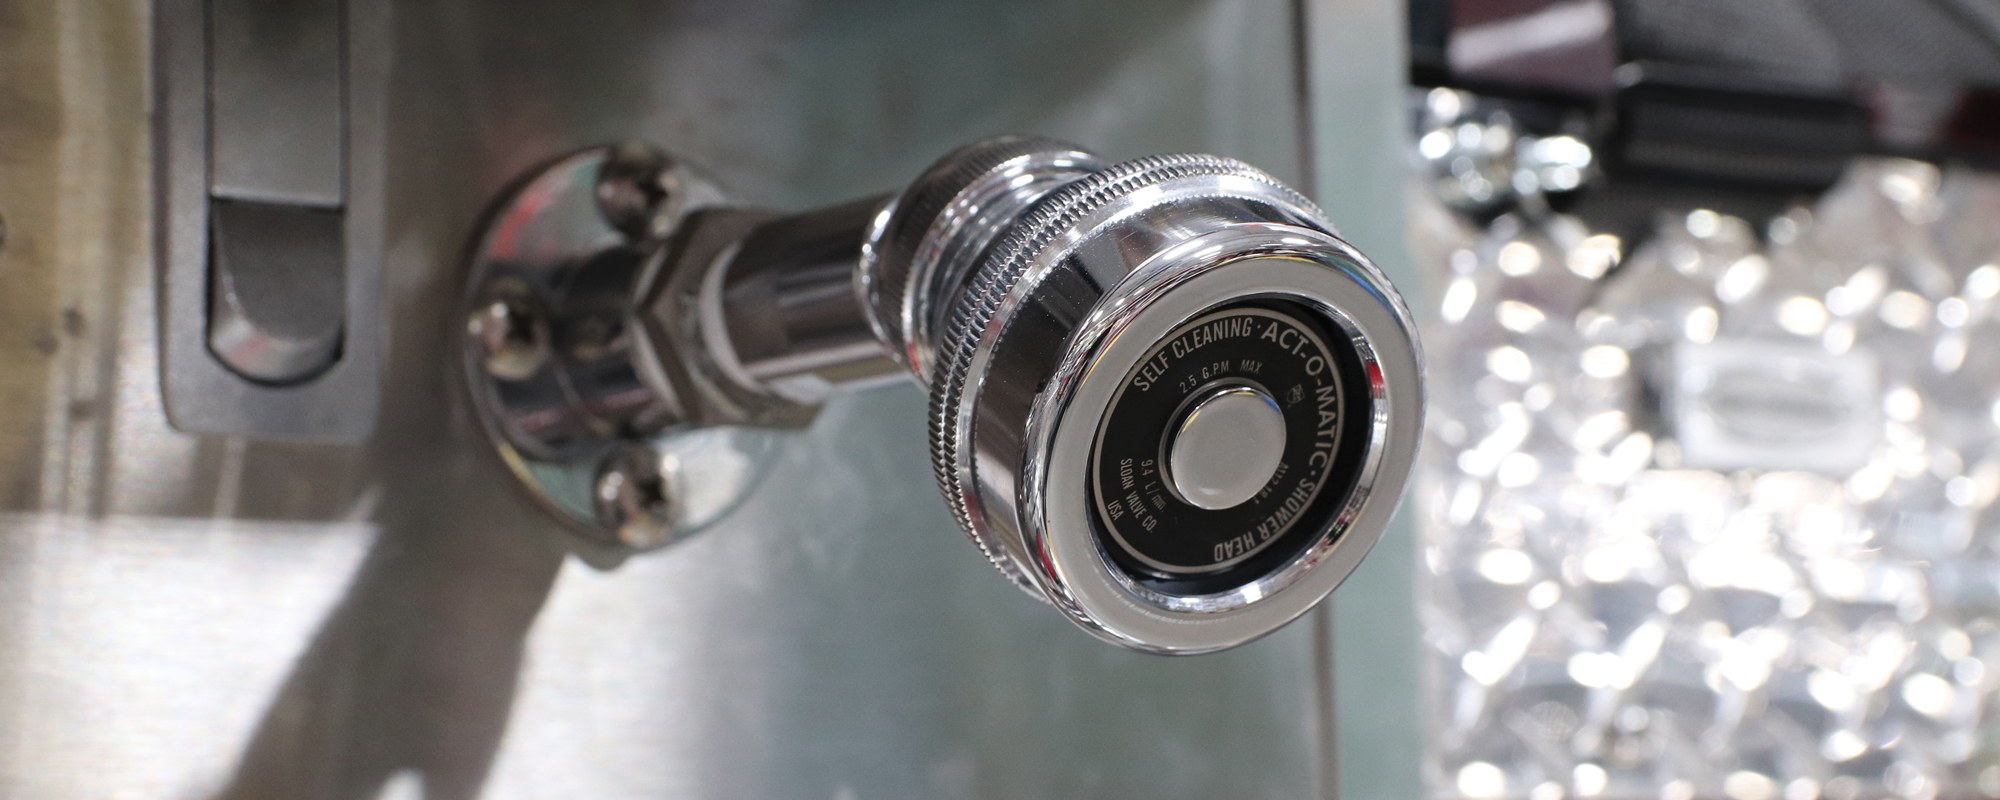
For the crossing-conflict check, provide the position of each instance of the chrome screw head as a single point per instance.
(511, 328)
(635, 192)
(633, 496)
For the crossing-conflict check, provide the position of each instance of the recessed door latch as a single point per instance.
(1166, 396)
(269, 140)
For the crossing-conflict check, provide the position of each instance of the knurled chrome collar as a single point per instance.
(930, 237)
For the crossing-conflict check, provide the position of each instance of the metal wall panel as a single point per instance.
(1358, 59)
(189, 617)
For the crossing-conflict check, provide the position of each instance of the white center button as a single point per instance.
(1227, 448)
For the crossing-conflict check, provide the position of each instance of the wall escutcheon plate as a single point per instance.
(564, 395)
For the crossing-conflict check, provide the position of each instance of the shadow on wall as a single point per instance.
(418, 666)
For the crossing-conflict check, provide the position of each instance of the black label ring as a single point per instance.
(1149, 528)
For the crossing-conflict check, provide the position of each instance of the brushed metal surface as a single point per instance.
(275, 101)
(1357, 70)
(207, 617)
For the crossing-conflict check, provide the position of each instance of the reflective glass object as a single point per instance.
(1711, 513)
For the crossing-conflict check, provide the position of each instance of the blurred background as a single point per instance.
(1708, 292)
(1706, 507)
